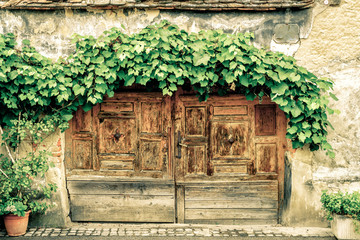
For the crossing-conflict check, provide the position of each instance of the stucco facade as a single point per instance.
(325, 39)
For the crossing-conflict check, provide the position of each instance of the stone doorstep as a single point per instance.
(188, 230)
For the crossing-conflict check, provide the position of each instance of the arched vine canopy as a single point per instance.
(162, 57)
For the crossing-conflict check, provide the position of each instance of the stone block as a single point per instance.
(118, 2)
(286, 33)
(334, 2)
(98, 2)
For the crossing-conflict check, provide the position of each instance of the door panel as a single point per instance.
(232, 151)
(118, 160)
(230, 140)
(117, 135)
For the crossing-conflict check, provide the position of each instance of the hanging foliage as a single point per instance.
(162, 57)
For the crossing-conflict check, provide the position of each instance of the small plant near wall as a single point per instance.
(347, 204)
(23, 187)
(343, 210)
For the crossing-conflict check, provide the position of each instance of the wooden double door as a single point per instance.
(142, 157)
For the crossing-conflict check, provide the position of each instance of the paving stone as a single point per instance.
(187, 231)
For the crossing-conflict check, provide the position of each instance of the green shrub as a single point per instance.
(22, 178)
(347, 204)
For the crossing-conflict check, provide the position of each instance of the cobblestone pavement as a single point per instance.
(182, 230)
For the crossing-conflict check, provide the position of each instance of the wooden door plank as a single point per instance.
(129, 188)
(231, 196)
(180, 204)
(232, 221)
(231, 213)
(254, 202)
(124, 208)
(244, 188)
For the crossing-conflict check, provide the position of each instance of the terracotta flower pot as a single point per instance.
(15, 225)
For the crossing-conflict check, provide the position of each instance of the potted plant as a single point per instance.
(23, 189)
(343, 209)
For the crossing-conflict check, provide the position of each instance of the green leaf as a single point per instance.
(99, 60)
(172, 87)
(295, 111)
(280, 88)
(316, 125)
(67, 117)
(78, 90)
(302, 137)
(316, 139)
(250, 96)
(162, 84)
(200, 58)
(26, 42)
(333, 96)
(244, 80)
(87, 107)
(292, 130)
(331, 154)
(129, 81)
(233, 65)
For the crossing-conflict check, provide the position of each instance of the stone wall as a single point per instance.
(325, 39)
(331, 50)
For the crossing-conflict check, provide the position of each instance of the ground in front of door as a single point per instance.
(180, 230)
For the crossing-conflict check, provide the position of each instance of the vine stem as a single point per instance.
(7, 147)
(18, 139)
(4, 173)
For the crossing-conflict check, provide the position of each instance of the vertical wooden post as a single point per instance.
(180, 203)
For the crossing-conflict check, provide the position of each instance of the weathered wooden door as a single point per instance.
(118, 161)
(140, 157)
(229, 159)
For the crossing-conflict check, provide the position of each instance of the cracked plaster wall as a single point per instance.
(331, 50)
(324, 43)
